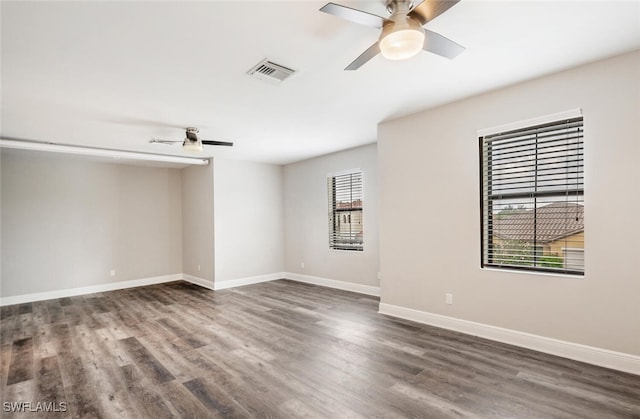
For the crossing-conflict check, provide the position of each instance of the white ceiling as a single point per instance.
(116, 74)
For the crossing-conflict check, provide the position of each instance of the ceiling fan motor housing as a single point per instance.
(398, 6)
(192, 143)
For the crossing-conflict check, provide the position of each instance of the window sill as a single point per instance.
(525, 272)
(347, 250)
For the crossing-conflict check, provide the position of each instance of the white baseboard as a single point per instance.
(589, 354)
(198, 281)
(112, 286)
(332, 283)
(91, 289)
(232, 283)
(308, 279)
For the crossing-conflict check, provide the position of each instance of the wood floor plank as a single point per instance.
(24, 327)
(102, 370)
(78, 387)
(71, 314)
(49, 386)
(54, 311)
(146, 361)
(5, 360)
(299, 409)
(183, 401)
(179, 331)
(83, 403)
(21, 365)
(24, 308)
(111, 344)
(147, 399)
(7, 324)
(215, 400)
(43, 340)
(168, 351)
(18, 395)
(281, 350)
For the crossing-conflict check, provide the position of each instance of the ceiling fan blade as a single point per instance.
(371, 52)
(354, 15)
(430, 9)
(438, 44)
(210, 142)
(159, 141)
(140, 122)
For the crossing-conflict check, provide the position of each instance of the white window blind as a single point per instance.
(345, 211)
(533, 198)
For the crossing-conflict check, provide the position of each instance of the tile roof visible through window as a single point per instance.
(552, 222)
(356, 204)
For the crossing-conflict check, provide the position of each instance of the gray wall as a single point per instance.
(249, 232)
(67, 222)
(306, 218)
(197, 222)
(429, 173)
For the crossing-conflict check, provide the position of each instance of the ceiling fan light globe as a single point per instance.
(402, 44)
(192, 147)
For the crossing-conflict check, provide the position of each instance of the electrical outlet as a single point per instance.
(302, 265)
(113, 272)
(379, 275)
(449, 298)
(198, 268)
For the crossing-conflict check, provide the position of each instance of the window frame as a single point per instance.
(486, 184)
(334, 214)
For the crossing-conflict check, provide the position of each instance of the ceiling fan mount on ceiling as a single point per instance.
(403, 34)
(192, 142)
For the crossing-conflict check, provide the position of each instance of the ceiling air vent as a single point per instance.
(270, 71)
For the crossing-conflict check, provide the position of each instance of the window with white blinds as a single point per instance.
(533, 198)
(345, 211)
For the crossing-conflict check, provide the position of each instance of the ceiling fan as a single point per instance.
(191, 141)
(403, 35)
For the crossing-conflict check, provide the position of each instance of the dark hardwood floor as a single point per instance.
(278, 350)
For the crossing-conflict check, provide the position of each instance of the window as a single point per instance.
(345, 211)
(533, 197)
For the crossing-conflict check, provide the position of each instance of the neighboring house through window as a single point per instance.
(533, 196)
(345, 211)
